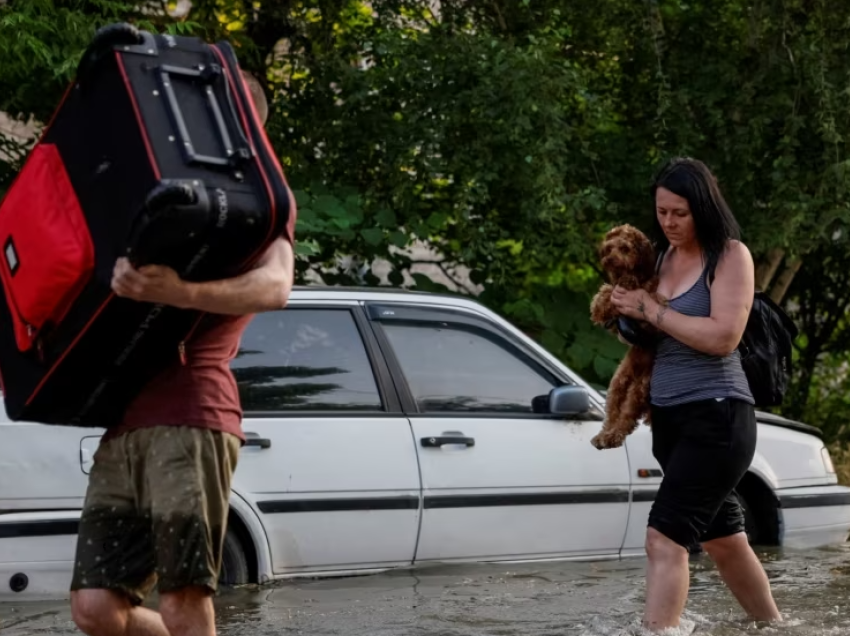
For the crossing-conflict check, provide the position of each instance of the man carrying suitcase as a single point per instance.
(158, 497)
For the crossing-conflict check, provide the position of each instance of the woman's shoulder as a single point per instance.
(736, 257)
(736, 251)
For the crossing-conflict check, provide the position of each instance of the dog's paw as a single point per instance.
(607, 440)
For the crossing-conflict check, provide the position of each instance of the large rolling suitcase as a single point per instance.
(156, 153)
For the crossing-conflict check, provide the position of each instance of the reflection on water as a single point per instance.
(554, 599)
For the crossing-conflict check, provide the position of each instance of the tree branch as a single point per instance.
(784, 280)
(499, 16)
(441, 265)
(767, 268)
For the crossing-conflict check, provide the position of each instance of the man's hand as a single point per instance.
(264, 288)
(150, 283)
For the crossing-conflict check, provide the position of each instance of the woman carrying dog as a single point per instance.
(703, 418)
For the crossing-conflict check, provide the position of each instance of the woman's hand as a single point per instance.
(634, 304)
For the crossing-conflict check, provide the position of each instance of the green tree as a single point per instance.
(508, 136)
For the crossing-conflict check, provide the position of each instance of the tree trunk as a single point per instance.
(767, 268)
(777, 292)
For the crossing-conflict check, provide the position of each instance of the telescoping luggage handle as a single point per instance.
(207, 75)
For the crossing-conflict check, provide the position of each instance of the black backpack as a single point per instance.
(766, 349)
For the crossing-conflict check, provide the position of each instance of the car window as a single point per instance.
(305, 359)
(457, 369)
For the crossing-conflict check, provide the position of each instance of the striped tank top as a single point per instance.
(682, 374)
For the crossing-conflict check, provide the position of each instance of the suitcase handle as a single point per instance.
(233, 156)
(106, 39)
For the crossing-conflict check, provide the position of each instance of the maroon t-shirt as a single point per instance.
(199, 389)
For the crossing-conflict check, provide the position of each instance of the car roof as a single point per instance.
(366, 289)
(364, 293)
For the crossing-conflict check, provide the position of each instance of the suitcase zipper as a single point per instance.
(181, 346)
(35, 338)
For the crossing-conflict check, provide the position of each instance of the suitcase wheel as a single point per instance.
(168, 195)
(164, 198)
(104, 41)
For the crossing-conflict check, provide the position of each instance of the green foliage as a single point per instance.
(820, 393)
(828, 397)
(508, 136)
(475, 145)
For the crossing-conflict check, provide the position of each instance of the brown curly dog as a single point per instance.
(628, 260)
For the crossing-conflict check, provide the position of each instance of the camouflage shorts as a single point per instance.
(156, 511)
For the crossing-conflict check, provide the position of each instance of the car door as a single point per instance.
(330, 465)
(42, 489)
(40, 466)
(500, 480)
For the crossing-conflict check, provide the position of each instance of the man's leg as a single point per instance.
(190, 501)
(109, 613)
(188, 612)
(114, 564)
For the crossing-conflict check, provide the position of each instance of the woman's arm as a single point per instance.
(731, 301)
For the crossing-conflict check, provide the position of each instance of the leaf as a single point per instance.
(424, 283)
(306, 248)
(396, 278)
(386, 218)
(604, 367)
(581, 355)
(436, 221)
(329, 205)
(302, 198)
(373, 236)
(353, 207)
(553, 341)
(399, 239)
(308, 221)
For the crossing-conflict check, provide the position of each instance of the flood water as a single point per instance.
(811, 587)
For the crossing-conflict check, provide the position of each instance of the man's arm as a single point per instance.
(264, 288)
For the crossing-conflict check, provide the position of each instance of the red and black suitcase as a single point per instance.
(156, 153)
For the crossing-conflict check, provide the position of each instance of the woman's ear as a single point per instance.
(258, 96)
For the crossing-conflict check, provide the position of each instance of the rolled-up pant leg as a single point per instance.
(704, 449)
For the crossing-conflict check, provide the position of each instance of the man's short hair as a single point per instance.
(257, 95)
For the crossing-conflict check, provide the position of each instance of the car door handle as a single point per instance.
(252, 439)
(437, 442)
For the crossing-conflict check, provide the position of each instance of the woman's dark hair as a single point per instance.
(714, 222)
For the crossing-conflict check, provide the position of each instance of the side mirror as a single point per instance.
(568, 400)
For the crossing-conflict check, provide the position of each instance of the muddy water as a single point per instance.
(812, 589)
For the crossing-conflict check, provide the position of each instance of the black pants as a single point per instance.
(704, 448)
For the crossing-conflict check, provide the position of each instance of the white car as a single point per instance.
(389, 429)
